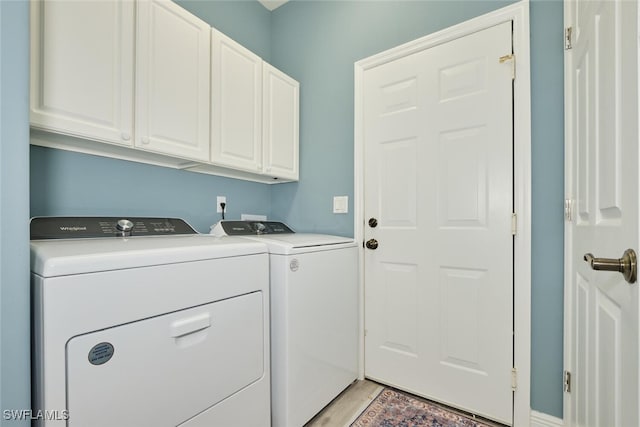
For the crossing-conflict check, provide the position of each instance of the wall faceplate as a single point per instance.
(252, 217)
(341, 204)
(220, 199)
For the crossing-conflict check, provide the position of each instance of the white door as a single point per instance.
(236, 105)
(438, 171)
(82, 68)
(280, 116)
(172, 81)
(602, 180)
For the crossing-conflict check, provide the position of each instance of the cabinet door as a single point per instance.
(236, 105)
(281, 119)
(172, 81)
(82, 68)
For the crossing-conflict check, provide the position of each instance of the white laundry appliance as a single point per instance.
(314, 316)
(143, 322)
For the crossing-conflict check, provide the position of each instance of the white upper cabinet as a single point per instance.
(172, 81)
(280, 117)
(147, 81)
(82, 62)
(236, 105)
(254, 112)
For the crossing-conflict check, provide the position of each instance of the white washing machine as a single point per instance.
(314, 316)
(144, 322)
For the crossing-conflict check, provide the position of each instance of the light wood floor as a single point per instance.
(344, 409)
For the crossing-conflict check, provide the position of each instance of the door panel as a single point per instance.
(401, 320)
(438, 168)
(581, 388)
(462, 318)
(602, 167)
(462, 192)
(397, 184)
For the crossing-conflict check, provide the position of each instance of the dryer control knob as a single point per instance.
(125, 226)
(259, 227)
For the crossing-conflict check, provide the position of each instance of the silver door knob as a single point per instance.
(627, 265)
(372, 244)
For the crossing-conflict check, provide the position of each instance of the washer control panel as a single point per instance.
(66, 227)
(249, 228)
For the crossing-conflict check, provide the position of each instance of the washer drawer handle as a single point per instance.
(190, 325)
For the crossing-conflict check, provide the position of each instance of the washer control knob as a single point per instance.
(124, 226)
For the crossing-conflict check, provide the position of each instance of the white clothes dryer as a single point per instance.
(143, 322)
(314, 316)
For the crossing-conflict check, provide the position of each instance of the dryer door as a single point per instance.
(165, 370)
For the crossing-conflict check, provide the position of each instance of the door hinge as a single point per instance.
(514, 223)
(511, 57)
(568, 210)
(568, 32)
(514, 379)
(566, 381)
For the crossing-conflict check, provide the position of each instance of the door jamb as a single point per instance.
(568, 229)
(517, 13)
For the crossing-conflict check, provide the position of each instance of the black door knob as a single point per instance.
(373, 223)
(372, 244)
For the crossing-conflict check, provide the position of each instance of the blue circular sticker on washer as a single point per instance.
(101, 353)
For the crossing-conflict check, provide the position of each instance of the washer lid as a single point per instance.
(285, 244)
(51, 258)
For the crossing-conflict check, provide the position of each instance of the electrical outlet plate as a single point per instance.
(220, 199)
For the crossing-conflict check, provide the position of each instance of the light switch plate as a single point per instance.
(341, 204)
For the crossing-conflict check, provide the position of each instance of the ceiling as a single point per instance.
(272, 4)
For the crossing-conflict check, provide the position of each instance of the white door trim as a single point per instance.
(568, 235)
(538, 419)
(518, 13)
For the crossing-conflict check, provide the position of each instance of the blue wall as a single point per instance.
(547, 152)
(14, 208)
(65, 183)
(317, 43)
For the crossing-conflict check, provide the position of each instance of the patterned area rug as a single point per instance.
(393, 408)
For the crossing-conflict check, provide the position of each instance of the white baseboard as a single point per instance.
(538, 419)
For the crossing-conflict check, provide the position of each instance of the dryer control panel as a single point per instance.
(66, 227)
(249, 228)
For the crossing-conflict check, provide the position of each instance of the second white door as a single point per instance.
(602, 308)
(438, 135)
